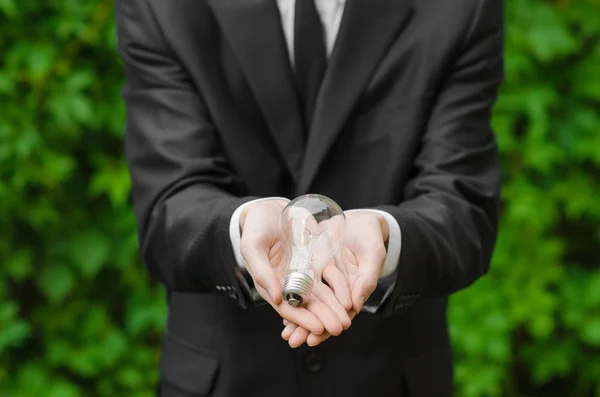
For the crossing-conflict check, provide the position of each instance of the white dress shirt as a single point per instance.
(331, 12)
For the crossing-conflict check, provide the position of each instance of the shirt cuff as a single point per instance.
(387, 279)
(235, 234)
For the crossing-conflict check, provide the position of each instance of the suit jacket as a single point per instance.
(402, 124)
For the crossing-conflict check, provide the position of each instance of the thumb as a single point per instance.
(365, 284)
(259, 267)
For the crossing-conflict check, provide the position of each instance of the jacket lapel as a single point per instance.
(367, 29)
(253, 29)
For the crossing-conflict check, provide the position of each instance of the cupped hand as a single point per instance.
(263, 250)
(358, 266)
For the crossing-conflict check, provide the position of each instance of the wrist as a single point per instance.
(381, 220)
(278, 204)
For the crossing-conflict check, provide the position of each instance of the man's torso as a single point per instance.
(384, 73)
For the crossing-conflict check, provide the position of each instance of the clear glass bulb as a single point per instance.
(315, 228)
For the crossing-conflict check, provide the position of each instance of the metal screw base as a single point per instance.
(297, 288)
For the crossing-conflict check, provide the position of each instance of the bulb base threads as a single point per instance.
(297, 288)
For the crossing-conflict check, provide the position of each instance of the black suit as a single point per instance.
(401, 124)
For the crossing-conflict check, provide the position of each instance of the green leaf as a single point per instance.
(7, 82)
(20, 265)
(552, 360)
(14, 334)
(56, 282)
(113, 180)
(541, 326)
(89, 250)
(144, 317)
(592, 296)
(41, 59)
(590, 332)
(548, 35)
(32, 379)
(62, 389)
(79, 80)
(9, 8)
(8, 312)
(81, 109)
(131, 378)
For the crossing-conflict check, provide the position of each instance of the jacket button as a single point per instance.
(313, 362)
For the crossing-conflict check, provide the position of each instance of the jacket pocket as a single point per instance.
(186, 367)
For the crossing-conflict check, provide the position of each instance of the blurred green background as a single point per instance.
(79, 316)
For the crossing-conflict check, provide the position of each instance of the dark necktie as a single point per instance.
(309, 54)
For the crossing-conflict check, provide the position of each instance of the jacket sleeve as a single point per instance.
(449, 218)
(184, 192)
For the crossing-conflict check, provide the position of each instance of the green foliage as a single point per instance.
(78, 316)
(532, 326)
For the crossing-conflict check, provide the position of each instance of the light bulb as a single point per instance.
(315, 228)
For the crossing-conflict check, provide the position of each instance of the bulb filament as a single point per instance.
(308, 256)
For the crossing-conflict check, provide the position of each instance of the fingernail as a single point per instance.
(361, 302)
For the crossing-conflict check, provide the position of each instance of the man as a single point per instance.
(236, 106)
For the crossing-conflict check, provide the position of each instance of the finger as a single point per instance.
(300, 316)
(299, 337)
(325, 314)
(288, 331)
(294, 315)
(314, 340)
(326, 295)
(368, 276)
(258, 265)
(352, 314)
(363, 288)
(339, 284)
